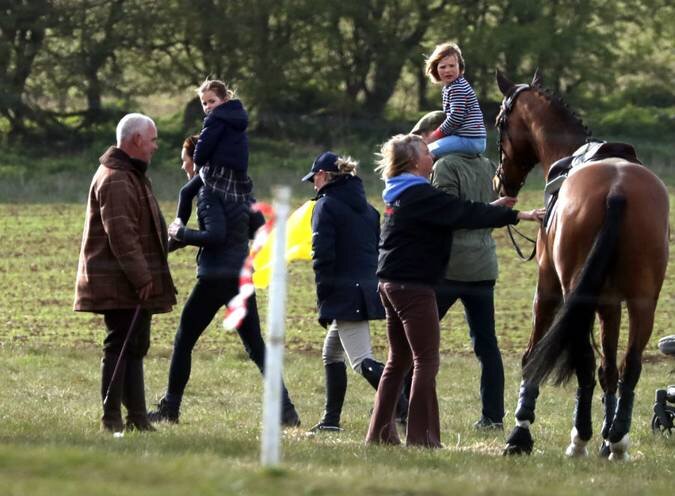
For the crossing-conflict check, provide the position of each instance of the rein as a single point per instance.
(510, 229)
(507, 105)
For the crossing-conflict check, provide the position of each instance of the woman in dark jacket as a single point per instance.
(345, 234)
(225, 228)
(414, 251)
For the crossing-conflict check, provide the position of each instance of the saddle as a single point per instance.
(591, 151)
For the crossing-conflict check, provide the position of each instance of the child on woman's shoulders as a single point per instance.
(221, 152)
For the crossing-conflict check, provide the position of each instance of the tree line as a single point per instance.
(68, 65)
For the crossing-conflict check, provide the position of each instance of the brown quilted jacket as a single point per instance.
(124, 241)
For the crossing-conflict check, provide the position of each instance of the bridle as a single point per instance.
(502, 120)
(501, 183)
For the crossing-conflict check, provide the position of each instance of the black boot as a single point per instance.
(112, 403)
(336, 387)
(372, 371)
(134, 397)
(166, 412)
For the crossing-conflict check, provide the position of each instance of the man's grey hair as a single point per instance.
(130, 124)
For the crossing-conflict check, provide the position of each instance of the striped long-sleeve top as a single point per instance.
(463, 114)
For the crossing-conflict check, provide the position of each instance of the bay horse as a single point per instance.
(606, 243)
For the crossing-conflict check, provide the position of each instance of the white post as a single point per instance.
(276, 313)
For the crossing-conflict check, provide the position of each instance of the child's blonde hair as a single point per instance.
(398, 155)
(440, 52)
(218, 87)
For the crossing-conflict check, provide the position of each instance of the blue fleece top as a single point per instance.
(394, 186)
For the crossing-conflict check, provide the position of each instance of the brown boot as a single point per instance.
(111, 420)
(134, 397)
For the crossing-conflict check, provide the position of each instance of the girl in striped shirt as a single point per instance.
(463, 130)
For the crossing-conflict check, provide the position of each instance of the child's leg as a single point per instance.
(457, 144)
(185, 196)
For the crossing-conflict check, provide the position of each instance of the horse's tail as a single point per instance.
(572, 328)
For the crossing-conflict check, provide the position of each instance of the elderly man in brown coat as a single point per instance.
(123, 271)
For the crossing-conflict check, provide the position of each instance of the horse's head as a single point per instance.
(517, 155)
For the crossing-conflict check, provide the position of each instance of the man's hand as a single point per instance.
(145, 291)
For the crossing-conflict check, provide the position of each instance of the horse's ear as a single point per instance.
(537, 79)
(505, 86)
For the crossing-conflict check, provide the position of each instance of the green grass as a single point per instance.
(49, 442)
(49, 405)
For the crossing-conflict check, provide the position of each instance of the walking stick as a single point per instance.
(121, 355)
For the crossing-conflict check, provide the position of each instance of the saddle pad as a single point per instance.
(591, 151)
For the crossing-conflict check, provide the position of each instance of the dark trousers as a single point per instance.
(207, 297)
(478, 300)
(414, 339)
(117, 324)
(129, 386)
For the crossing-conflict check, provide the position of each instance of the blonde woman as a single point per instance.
(414, 251)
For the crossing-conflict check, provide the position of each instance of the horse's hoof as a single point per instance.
(615, 457)
(605, 450)
(577, 447)
(576, 451)
(620, 449)
(519, 442)
(512, 449)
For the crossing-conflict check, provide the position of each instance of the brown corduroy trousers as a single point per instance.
(414, 339)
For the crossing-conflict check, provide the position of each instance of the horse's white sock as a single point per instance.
(620, 449)
(577, 445)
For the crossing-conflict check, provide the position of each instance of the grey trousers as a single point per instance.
(351, 338)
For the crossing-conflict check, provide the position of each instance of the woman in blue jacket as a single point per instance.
(345, 235)
(225, 228)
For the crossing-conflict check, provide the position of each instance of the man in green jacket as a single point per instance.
(472, 270)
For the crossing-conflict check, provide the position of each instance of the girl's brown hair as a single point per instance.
(218, 87)
(440, 52)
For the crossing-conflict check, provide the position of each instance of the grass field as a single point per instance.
(49, 405)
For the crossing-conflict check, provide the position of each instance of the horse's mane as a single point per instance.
(558, 102)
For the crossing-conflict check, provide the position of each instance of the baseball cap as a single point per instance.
(327, 161)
